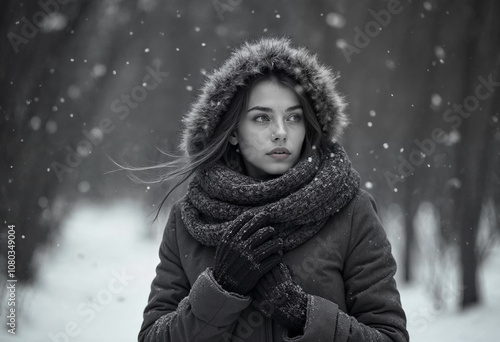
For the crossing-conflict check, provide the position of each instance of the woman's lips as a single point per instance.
(279, 153)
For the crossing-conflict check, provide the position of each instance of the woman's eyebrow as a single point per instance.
(259, 108)
(268, 110)
(294, 107)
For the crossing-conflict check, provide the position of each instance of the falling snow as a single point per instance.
(335, 20)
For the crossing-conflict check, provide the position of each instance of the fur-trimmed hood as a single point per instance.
(252, 59)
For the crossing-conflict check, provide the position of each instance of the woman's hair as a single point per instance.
(218, 148)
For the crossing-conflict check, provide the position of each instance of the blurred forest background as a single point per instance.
(86, 81)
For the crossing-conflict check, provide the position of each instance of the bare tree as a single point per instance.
(475, 156)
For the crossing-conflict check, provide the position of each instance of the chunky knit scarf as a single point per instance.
(298, 203)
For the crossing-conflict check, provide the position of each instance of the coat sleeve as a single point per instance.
(175, 312)
(374, 311)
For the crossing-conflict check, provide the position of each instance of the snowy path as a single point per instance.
(94, 286)
(478, 324)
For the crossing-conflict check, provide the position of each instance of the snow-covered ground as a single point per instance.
(450, 324)
(94, 285)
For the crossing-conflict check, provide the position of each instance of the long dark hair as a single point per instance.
(218, 148)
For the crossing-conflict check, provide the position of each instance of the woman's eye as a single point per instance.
(261, 118)
(295, 117)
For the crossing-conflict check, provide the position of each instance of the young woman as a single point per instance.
(274, 240)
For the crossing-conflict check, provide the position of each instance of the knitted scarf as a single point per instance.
(298, 202)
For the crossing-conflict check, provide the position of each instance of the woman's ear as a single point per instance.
(233, 139)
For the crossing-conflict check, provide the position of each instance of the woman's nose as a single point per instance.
(279, 132)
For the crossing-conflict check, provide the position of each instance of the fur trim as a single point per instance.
(251, 59)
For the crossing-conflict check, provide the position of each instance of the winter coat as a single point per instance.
(346, 269)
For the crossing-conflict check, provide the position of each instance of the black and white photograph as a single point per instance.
(249, 171)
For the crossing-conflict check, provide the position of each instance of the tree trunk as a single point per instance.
(475, 154)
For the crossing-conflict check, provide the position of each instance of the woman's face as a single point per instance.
(271, 130)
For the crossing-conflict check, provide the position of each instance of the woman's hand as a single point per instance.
(245, 253)
(277, 296)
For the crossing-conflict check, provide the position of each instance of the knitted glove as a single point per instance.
(277, 296)
(245, 253)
